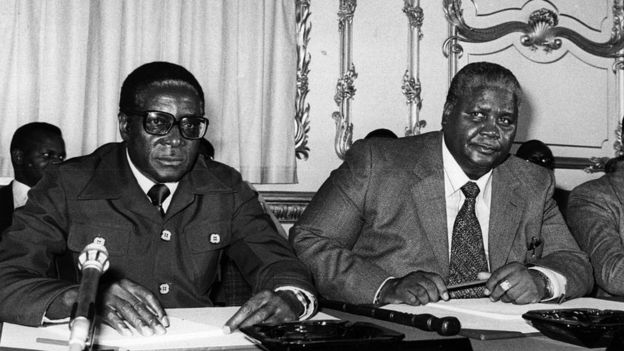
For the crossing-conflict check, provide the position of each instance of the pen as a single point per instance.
(466, 284)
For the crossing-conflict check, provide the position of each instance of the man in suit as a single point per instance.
(596, 219)
(394, 224)
(166, 217)
(33, 147)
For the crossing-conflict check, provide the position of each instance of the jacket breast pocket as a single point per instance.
(115, 238)
(207, 236)
(205, 241)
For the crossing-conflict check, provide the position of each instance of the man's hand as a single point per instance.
(416, 288)
(514, 283)
(266, 306)
(125, 301)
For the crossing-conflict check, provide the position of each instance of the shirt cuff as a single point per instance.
(376, 298)
(46, 320)
(307, 299)
(557, 282)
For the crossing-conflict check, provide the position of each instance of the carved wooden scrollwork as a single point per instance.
(542, 31)
(345, 88)
(302, 107)
(411, 86)
(287, 206)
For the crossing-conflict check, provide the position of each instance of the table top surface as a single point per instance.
(534, 342)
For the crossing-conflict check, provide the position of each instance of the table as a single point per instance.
(534, 343)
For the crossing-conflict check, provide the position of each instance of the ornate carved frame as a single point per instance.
(302, 107)
(411, 86)
(542, 30)
(287, 206)
(345, 88)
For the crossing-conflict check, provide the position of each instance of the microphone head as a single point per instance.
(94, 256)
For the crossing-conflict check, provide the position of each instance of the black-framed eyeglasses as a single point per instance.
(160, 123)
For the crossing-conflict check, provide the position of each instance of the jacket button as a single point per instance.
(215, 238)
(164, 288)
(165, 235)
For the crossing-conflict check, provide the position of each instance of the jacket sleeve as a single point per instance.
(326, 233)
(561, 252)
(594, 216)
(28, 250)
(264, 257)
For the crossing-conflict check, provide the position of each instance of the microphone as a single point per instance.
(92, 262)
(446, 326)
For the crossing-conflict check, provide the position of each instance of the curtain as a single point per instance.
(64, 61)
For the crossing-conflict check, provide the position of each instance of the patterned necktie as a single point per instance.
(158, 193)
(467, 252)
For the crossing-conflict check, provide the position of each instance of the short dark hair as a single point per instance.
(537, 152)
(381, 133)
(481, 74)
(25, 137)
(155, 74)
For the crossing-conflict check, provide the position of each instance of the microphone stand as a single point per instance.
(92, 262)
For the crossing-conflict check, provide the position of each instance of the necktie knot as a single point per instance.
(157, 194)
(470, 190)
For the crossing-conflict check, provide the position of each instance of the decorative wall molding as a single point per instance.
(302, 107)
(411, 86)
(287, 206)
(542, 30)
(345, 88)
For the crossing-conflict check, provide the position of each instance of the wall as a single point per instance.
(380, 54)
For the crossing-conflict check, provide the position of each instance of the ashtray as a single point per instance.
(581, 326)
(322, 335)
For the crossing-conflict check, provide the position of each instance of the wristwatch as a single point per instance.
(548, 288)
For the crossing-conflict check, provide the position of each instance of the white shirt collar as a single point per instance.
(457, 178)
(146, 184)
(20, 193)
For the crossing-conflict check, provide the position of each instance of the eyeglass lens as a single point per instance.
(160, 123)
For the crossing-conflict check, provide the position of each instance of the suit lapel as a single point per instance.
(429, 201)
(506, 208)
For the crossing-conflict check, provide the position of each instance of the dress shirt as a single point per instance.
(20, 193)
(146, 184)
(454, 179)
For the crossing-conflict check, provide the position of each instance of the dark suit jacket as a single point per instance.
(6, 206)
(382, 213)
(212, 213)
(596, 219)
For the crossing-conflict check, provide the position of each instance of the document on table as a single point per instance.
(487, 315)
(189, 328)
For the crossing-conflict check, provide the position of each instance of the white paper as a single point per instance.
(189, 328)
(488, 315)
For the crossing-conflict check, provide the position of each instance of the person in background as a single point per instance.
(596, 219)
(33, 148)
(402, 220)
(539, 153)
(381, 133)
(165, 215)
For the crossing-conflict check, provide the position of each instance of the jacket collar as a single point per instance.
(112, 178)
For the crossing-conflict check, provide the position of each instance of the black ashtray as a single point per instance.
(581, 326)
(322, 335)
